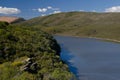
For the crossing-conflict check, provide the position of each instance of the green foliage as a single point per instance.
(3, 25)
(29, 54)
(58, 74)
(7, 72)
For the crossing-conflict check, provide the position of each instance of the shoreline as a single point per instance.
(103, 39)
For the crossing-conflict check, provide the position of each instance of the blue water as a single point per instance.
(91, 59)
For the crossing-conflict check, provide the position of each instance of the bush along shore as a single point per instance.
(30, 54)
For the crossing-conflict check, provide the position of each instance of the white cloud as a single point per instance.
(55, 12)
(94, 11)
(43, 14)
(49, 7)
(42, 10)
(55, 9)
(6, 10)
(82, 10)
(113, 9)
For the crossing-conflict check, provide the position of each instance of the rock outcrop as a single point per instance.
(29, 66)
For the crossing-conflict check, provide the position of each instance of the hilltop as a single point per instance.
(85, 24)
(11, 19)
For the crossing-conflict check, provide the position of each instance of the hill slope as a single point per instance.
(11, 19)
(90, 24)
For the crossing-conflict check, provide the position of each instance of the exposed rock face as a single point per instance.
(11, 19)
(29, 66)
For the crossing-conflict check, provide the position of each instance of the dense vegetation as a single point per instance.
(86, 24)
(30, 54)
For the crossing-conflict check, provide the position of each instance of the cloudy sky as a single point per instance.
(33, 8)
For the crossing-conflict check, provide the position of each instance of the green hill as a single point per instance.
(30, 54)
(85, 24)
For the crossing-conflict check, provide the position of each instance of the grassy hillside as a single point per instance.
(30, 54)
(90, 24)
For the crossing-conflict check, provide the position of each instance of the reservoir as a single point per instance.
(91, 59)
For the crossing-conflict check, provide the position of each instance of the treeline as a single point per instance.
(30, 54)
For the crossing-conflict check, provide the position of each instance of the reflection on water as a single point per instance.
(91, 59)
(67, 57)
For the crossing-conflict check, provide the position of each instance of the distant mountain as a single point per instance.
(11, 19)
(90, 24)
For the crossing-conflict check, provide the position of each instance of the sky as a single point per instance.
(32, 8)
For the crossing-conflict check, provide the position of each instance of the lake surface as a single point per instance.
(91, 59)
